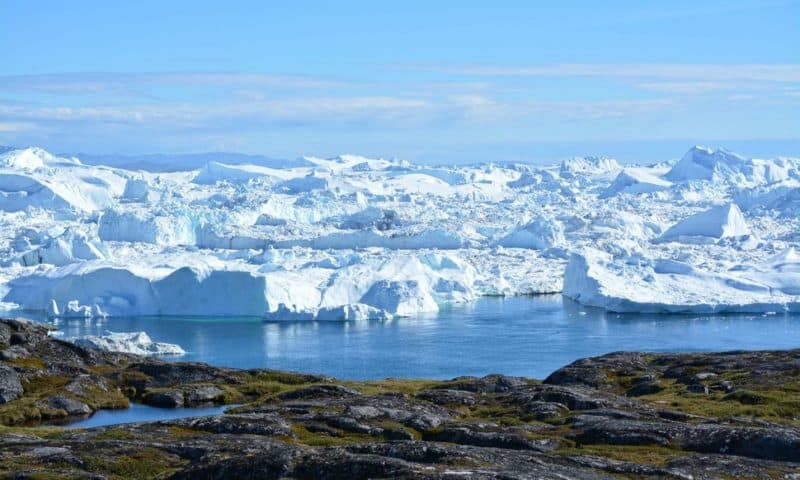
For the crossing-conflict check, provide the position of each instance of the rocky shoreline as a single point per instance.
(621, 415)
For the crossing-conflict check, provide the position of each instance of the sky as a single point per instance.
(437, 82)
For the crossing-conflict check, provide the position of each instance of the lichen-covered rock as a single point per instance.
(10, 385)
(318, 391)
(69, 405)
(204, 394)
(169, 399)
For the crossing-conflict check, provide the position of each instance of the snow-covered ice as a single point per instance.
(138, 343)
(353, 238)
(712, 225)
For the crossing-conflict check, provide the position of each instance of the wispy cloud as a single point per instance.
(689, 88)
(709, 72)
(329, 111)
(115, 83)
(229, 107)
(295, 110)
(11, 127)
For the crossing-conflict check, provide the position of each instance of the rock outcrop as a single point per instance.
(621, 415)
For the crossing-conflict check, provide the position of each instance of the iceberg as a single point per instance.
(119, 291)
(137, 343)
(588, 166)
(34, 178)
(596, 279)
(717, 223)
(635, 181)
(215, 172)
(69, 247)
(702, 163)
(143, 226)
(136, 190)
(783, 198)
(539, 234)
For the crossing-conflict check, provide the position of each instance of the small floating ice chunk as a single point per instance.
(138, 343)
(356, 312)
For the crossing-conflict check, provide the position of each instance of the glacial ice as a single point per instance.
(138, 343)
(596, 279)
(33, 178)
(538, 234)
(69, 247)
(723, 221)
(634, 180)
(353, 238)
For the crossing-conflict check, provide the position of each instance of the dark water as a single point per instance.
(141, 413)
(530, 336)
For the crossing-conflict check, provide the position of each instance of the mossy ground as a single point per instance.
(771, 399)
(330, 437)
(772, 404)
(642, 455)
(140, 463)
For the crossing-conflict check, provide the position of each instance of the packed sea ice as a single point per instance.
(354, 238)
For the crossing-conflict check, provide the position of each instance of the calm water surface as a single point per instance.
(137, 412)
(530, 336)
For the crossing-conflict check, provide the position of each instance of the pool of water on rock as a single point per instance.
(530, 336)
(137, 412)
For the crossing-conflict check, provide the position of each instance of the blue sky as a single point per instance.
(427, 81)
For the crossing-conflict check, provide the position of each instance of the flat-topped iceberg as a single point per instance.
(215, 172)
(138, 343)
(597, 279)
(403, 285)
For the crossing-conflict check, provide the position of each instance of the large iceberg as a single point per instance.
(597, 279)
(33, 178)
(702, 163)
(215, 172)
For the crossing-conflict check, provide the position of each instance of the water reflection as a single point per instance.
(137, 412)
(520, 336)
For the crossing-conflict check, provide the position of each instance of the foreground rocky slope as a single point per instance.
(622, 415)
